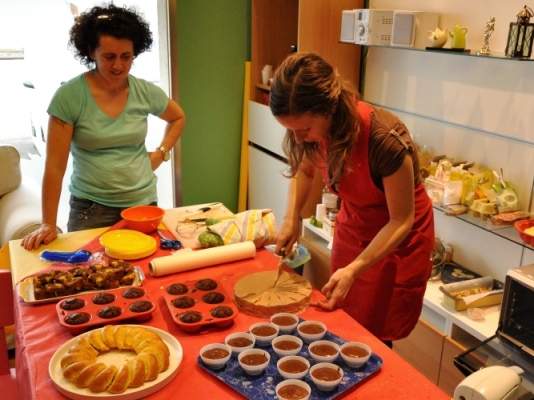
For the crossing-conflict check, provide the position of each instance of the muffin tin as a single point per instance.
(198, 303)
(87, 311)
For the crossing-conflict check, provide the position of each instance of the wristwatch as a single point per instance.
(166, 153)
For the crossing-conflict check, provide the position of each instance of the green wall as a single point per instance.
(213, 46)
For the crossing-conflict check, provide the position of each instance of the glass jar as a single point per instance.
(329, 200)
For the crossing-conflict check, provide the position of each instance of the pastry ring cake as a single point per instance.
(262, 294)
(81, 367)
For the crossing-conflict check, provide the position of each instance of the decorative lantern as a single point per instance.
(521, 33)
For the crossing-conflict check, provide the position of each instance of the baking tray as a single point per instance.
(25, 289)
(455, 273)
(91, 309)
(263, 386)
(484, 300)
(200, 306)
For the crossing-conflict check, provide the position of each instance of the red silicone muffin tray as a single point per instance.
(90, 315)
(192, 307)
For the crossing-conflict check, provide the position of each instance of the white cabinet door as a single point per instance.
(263, 129)
(267, 187)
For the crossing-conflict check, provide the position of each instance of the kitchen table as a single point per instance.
(39, 333)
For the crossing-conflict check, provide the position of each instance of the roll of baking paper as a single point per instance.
(187, 259)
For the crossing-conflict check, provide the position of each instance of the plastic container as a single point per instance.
(521, 226)
(144, 219)
(126, 244)
(192, 308)
(117, 304)
(329, 199)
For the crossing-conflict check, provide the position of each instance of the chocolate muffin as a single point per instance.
(103, 298)
(133, 293)
(177, 288)
(213, 298)
(109, 312)
(140, 306)
(77, 319)
(222, 312)
(72, 304)
(191, 317)
(183, 302)
(206, 284)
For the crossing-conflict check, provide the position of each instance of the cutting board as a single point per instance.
(173, 215)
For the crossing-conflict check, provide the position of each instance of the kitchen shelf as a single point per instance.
(318, 236)
(505, 231)
(263, 87)
(448, 51)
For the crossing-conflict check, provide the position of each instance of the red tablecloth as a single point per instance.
(39, 334)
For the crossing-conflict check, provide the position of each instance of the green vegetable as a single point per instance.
(315, 222)
(210, 239)
(211, 221)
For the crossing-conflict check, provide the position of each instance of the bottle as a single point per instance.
(329, 200)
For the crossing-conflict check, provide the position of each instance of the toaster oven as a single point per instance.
(513, 343)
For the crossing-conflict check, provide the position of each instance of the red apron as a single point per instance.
(387, 298)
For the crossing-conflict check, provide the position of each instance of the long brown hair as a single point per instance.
(306, 83)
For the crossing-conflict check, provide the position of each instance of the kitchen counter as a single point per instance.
(39, 334)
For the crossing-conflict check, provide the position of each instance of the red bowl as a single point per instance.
(523, 225)
(143, 218)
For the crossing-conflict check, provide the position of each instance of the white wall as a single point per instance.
(473, 108)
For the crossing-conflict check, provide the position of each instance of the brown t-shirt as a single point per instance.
(389, 143)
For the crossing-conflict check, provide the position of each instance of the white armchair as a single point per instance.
(20, 198)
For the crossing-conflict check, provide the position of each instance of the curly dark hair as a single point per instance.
(306, 83)
(108, 19)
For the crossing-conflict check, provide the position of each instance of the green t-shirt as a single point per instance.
(110, 161)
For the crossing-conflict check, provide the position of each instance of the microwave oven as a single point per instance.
(513, 342)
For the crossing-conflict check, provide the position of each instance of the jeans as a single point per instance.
(87, 214)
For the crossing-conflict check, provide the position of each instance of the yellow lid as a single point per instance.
(127, 244)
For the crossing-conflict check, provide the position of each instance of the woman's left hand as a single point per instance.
(336, 289)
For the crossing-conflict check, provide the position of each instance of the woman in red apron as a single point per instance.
(384, 234)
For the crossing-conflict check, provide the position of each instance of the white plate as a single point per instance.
(116, 357)
(25, 289)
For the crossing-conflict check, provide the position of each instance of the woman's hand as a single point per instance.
(156, 159)
(44, 234)
(287, 236)
(336, 289)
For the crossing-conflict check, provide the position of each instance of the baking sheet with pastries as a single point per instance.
(25, 289)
